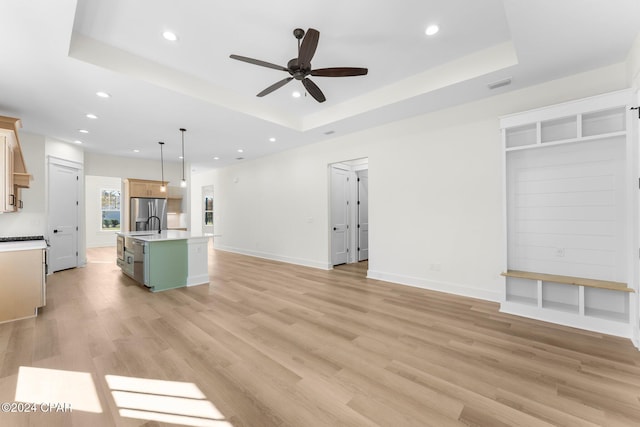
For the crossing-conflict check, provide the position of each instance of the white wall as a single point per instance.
(435, 194)
(33, 219)
(198, 181)
(633, 64)
(115, 167)
(130, 167)
(94, 185)
(74, 153)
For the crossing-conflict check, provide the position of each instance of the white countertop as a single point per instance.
(153, 236)
(27, 245)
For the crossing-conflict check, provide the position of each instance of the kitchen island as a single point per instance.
(167, 260)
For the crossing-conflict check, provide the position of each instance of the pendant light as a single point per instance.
(163, 187)
(183, 183)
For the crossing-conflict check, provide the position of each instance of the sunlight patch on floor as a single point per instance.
(53, 386)
(164, 401)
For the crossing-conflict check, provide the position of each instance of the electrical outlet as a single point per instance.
(560, 252)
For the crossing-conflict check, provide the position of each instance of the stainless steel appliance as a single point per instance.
(145, 214)
(120, 247)
(134, 254)
(138, 248)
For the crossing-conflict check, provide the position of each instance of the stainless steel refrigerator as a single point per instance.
(145, 212)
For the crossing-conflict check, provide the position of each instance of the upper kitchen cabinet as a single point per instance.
(145, 188)
(13, 172)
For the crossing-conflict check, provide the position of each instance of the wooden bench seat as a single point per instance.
(569, 280)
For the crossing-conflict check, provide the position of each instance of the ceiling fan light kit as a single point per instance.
(299, 68)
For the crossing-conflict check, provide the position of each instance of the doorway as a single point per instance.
(349, 211)
(207, 210)
(64, 192)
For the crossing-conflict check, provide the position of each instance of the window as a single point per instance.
(208, 211)
(110, 209)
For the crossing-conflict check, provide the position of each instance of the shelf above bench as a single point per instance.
(569, 280)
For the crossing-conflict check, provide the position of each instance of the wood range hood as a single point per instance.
(21, 178)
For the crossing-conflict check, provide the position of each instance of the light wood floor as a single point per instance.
(270, 344)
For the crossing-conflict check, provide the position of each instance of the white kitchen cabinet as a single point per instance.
(571, 209)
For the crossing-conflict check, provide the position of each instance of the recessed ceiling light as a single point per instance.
(216, 158)
(272, 139)
(83, 131)
(296, 94)
(77, 141)
(103, 94)
(171, 36)
(431, 30)
(136, 151)
(180, 157)
(240, 150)
(91, 116)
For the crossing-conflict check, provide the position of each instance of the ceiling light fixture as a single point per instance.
(163, 186)
(183, 183)
(240, 150)
(136, 151)
(216, 158)
(272, 139)
(431, 30)
(296, 94)
(103, 94)
(169, 35)
(91, 116)
(77, 141)
(83, 131)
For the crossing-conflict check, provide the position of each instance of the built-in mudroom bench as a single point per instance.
(571, 210)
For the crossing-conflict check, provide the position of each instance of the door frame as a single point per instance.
(345, 170)
(358, 229)
(352, 166)
(80, 243)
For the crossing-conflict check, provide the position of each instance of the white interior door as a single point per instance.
(63, 216)
(363, 215)
(339, 215)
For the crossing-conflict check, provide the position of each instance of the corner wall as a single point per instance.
(92, 209)
(633, 64)
(435, 195)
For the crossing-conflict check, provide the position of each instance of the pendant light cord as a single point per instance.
(161, 162)
(183, 130)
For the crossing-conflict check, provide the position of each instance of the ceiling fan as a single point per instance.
(300, 68)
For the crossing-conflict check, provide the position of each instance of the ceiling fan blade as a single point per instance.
(339, 72)
(308, 47)
(313, 90)
(258, 62)
(275, 86)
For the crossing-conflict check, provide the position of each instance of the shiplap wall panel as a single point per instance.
(566, 207)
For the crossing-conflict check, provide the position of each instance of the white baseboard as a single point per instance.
(447, 287)
(619, 329)
(275, 257)
(197, 280)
